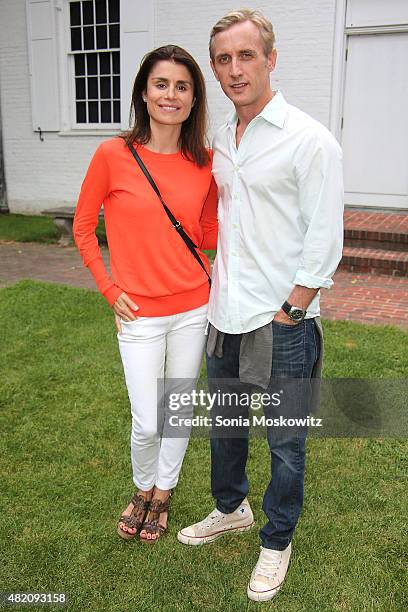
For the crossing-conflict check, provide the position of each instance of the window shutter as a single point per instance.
(136, 39)
(43, 62)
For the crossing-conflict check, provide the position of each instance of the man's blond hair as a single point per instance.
(239, 16)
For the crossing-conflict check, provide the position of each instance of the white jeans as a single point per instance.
(154, 348)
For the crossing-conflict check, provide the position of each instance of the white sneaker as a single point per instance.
(217, 524)
(268, 574)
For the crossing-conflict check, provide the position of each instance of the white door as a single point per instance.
(375, 120)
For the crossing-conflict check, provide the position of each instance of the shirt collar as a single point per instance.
(274, 112)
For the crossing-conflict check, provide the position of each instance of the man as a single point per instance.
(279, 178)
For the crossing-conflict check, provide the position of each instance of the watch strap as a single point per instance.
(295, 313)
(286, 307)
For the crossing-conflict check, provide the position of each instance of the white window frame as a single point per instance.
(67, 70)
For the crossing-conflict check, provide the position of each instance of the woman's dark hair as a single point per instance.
(193, 129)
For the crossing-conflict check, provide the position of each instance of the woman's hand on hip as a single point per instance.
(123, 310)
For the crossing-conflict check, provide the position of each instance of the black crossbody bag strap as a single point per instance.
(176, 224)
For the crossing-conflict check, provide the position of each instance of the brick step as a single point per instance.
(368, 239)
(386, 231)
(377, 261)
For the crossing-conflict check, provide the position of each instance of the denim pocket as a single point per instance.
(288, 349)
(287, 325)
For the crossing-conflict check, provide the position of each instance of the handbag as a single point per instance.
(176, 224)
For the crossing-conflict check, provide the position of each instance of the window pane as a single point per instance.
(94, 26)
(113, 36)
(75, 13)
(101, 37)
(116, 87)
(113, 10)
(89, 42)
(92, 88)
(80, 89)
(87, 12)
(105, 87)
(93, 112)
(100, 11)
(91, 61)
(81, 112)
(116, 112)
(76, 44)
(79, 64)
(106, 116)
(115, 62)
(104, 63)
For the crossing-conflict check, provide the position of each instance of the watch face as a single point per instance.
(296, 314)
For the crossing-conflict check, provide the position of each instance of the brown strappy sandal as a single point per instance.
(153, 526)
(135, 519)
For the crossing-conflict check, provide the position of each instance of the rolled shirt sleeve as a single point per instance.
(319, 175)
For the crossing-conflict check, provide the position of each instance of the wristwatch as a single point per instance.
(294, 312)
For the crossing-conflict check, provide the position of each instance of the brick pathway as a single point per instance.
(45, 262)
(367, 298)
(359, 297)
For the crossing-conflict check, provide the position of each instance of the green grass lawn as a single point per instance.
(35, 228)
(65, 471)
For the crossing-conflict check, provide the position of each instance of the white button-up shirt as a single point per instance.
(280, 214)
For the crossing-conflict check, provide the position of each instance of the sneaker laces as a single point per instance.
(268, 563)
(210, 520)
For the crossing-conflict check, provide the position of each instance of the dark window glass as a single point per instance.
(92, 63)
(116, 87)
(113, 36)
(93, 112)
(104, 63)
(81, 112)
(92, 88)
(113, 10)
(87, 12)
(75, 13)
(80, 89)
(105, 87)
(89, 42)
(116, 112)
(106, 116)
(101, 37)
(100, 11)
(79, 64)
(115, 62)
(94, 26)
(76, 44)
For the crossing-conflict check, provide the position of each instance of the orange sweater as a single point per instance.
(148, 259)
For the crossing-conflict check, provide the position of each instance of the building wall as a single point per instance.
(44, 174)
(39, 175)
(3, 194)
(304, 33)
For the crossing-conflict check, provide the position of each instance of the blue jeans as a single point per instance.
(295, 352)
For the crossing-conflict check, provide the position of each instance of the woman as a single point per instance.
(158, 290)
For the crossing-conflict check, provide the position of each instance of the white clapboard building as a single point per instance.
(67, 69)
